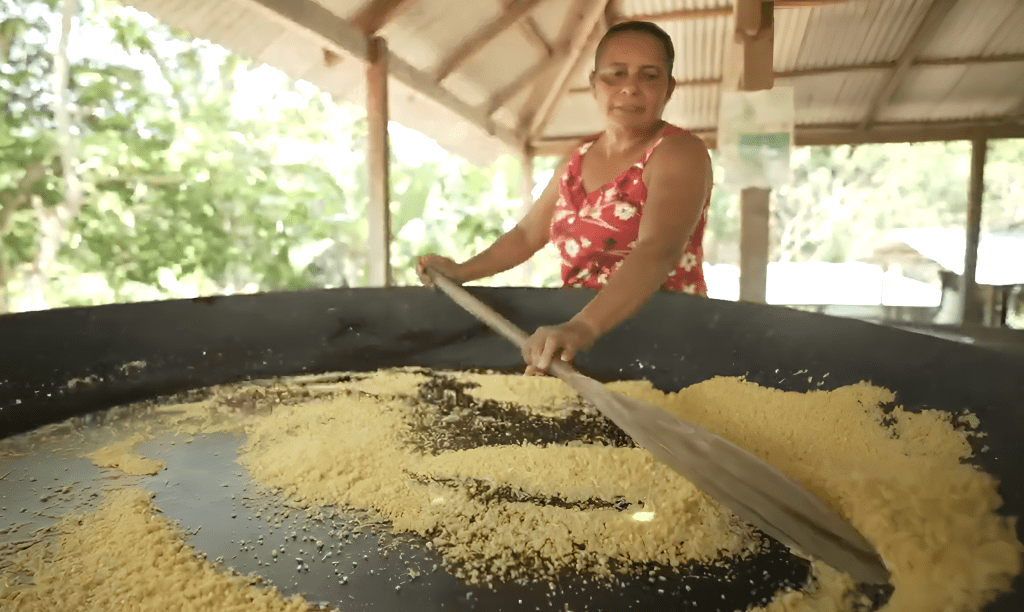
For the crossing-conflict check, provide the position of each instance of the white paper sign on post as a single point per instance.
(755, 135)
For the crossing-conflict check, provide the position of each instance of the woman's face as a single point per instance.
(631, 81)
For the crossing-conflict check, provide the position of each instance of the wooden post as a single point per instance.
(749, 67)
(972, 311)
(526, 185)
(378, 207)
(754, 238)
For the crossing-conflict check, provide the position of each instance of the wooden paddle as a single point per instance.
(752, 489)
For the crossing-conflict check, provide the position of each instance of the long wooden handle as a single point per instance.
(491, 318)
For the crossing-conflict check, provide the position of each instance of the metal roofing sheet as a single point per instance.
(850, 33)
(837, 56)
(575, 116)
(956, 92)
(977, 28)
(694, 107)
(226, 23)
(425, 33)
(500, 62)
(833, 98)
(699, 46)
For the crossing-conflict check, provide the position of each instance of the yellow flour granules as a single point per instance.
(899, 477)
(125, 557)
(901, 483)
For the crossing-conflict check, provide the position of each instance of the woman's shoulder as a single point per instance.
(680, 144)
(682, 137)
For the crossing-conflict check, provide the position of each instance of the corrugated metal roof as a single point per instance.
(833, 98)
(851, 33)
(699, 46)
(838, 56)
(980, 29)
(944, 93)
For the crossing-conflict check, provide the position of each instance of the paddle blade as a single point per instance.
(752, 489)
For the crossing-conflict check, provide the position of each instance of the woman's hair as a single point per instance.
(644, 27)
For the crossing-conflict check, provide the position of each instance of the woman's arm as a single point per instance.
(511, 248)
(678, 178)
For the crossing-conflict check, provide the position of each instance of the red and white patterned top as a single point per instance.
(595, 231)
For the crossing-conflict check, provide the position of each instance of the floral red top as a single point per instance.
(595, 231)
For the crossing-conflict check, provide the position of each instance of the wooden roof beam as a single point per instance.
(679, 15)
(613, 12)
(845, 134)
(680, 83)
(806, 3)
(517, 9)
(343, 36)
(531, 31)
(960, 61)
(748, 56)
(933, 18)
(1016, 113)
(692, 14)
(886, 132)
(826, 70)
(378, 13)
(521, 83)
(578, 33)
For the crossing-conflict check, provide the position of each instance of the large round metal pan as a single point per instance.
(61, 363)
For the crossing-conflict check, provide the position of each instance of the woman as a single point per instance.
(628, 211)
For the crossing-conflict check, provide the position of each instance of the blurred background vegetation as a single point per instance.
(137, 163)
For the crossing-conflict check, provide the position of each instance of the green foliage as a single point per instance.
(205, 173)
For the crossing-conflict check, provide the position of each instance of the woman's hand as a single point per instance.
(444, 265)
(563, 341)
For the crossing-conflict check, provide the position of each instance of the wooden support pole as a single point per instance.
(526, 185)
(749, 55)
(973, 313)
(754, 243)
(378, 207)
(748, 67)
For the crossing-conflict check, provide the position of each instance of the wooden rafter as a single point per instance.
(826, 70)
(692, 14)
(680, 83)
(1016, 112)
(526, 79)
(377, 13)
(531, 31)
(680, 15)
(846, 133)
(613, 12)
(959, 61)
(577, 33)
(806, 3)
(930, 25)
(905, 131)
(476, 41)
(340, 35)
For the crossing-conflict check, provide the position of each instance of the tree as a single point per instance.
(173, 185)
(200, 172)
